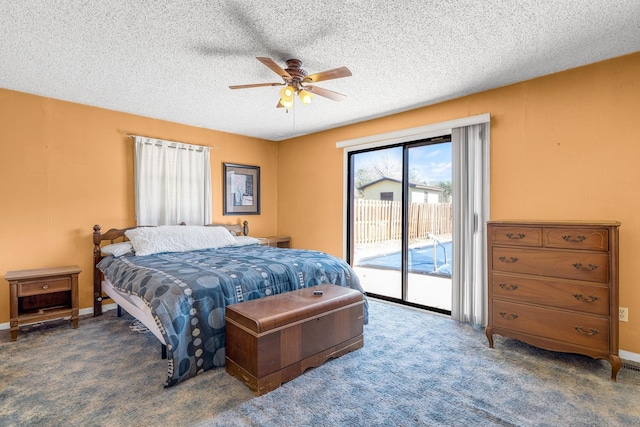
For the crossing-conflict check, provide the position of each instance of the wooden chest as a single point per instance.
(555, 285)
(272, 340)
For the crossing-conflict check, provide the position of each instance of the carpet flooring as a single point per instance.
(416, 369)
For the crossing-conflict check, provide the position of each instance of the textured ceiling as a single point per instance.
(174, 60)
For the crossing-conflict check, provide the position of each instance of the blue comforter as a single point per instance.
(188, 292)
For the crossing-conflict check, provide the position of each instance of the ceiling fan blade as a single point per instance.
(279, 105)
(255, 85)
(335, 96)
(275, 67)
(336, 73)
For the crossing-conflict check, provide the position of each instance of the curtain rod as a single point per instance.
(131, 136)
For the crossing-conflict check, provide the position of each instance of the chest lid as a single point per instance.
(265, 314)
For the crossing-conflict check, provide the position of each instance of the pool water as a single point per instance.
(420, 260)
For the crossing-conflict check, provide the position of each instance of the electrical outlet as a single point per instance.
(624, 314)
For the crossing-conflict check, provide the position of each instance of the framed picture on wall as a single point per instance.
(241, 189)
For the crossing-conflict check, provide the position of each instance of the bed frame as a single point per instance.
(117, 235)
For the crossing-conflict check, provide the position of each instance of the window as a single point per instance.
(172, 183)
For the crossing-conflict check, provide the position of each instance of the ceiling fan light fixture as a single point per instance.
(286, 103)
(305, 96)
(287, 92)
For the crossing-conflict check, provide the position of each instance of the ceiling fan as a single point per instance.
(296, 81)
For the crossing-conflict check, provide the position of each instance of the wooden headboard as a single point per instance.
(115, 235)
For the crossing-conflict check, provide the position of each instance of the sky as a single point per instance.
(431, 162)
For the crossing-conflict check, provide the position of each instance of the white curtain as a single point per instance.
(172, 183)
(470, 152)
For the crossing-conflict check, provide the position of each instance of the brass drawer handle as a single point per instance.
(579, 266)
(512, 236)
(45, 286)
(508, 287)
(591, 332)
(591, 298)
(578, 239)
(508, 316)
(510, 260)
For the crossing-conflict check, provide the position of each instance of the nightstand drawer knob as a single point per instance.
(45, 286)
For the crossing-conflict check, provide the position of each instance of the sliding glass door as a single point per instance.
(376, 218)
(400, 220)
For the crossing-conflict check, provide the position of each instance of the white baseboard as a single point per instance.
(105, 307)
(627, 355)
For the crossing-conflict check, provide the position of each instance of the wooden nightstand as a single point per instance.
(42, 294)
(277, 241)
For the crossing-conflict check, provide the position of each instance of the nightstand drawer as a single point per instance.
(38, 287)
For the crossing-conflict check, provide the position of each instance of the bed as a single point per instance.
(177, 281)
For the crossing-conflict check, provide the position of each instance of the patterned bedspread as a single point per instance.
(188, 292)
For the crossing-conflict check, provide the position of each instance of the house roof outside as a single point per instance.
(175, 60)
(416, 185)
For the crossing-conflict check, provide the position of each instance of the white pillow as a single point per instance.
(246, 240)
(177, 238)
(118, 249)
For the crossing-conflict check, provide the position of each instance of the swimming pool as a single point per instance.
(421, 260)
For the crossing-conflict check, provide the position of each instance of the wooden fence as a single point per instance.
(379, 220)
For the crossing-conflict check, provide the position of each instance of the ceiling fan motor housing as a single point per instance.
(297, 74)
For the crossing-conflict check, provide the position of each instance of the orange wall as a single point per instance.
(564, 146)
(65, 167)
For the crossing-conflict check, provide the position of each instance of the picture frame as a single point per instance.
(241, 189)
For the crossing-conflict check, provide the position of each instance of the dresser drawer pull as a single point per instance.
(579, 266)
(570, 239)
(508, 287)
(508, 316)
(45, 286)
(509, 260)
(583, 332)
(518, 236)
(591, 298)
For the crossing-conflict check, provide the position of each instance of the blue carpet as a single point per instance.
(418, 369)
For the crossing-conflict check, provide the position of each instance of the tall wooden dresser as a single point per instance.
(554, 285)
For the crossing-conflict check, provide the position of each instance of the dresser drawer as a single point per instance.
(558, 293)
(516, 235)
(578, 329)
(588, 266)
(575, 238)
(44, 286)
